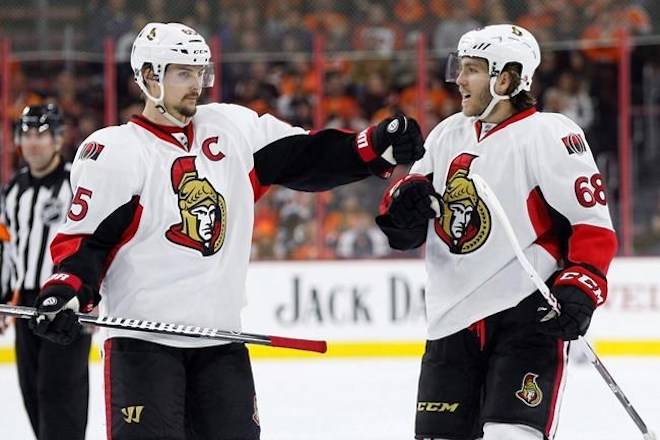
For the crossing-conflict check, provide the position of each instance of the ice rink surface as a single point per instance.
(374, 399)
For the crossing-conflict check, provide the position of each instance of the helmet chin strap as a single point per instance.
(496, 98)
(160, 104)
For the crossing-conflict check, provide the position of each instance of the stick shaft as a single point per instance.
(494, 204)
(178, 330)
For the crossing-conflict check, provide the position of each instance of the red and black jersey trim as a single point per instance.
(552, 229)
(88, 256)
(510, 120)
(585, 251)
(165, 132)
(258, 189)
(314, 162)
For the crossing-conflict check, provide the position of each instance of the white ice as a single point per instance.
(374, 399)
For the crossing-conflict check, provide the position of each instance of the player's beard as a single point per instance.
(186, 109)
(480, 103)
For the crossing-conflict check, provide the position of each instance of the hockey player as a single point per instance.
(35, 203)
(162, 219)
(491, 368)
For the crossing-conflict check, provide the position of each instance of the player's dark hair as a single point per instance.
(524, 99)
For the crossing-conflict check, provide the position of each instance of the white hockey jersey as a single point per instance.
(542, 170)
(162, 218)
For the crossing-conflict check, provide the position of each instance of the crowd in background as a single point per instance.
(368, 75)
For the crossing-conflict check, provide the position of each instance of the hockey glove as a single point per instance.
(398, 140)
(579, 291)
(56, 307)
(411, 202)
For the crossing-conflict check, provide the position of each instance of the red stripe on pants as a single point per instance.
(556, 388)
(107, 350)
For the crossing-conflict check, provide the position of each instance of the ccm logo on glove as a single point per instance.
(586, 282)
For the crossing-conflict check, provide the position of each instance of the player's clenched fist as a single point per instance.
(398, 140)
(411, 202)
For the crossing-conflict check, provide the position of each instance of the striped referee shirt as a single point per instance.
(32, 210)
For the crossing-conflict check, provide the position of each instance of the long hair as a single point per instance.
(524, 99)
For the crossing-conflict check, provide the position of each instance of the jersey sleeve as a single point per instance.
(308, 161)
(106, 183)
(425, 164)
(572, 185)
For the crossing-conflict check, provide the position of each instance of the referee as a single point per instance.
(53, 378)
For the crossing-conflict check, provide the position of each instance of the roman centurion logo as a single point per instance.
(530, 393)
(465, 222)
(203, 210)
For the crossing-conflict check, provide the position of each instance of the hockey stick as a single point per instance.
(494, 204)
(179, 330)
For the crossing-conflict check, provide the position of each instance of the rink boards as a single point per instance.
(375, 308)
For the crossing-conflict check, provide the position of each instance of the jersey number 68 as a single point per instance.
(590, 191)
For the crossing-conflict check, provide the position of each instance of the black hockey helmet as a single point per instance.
(41, 117)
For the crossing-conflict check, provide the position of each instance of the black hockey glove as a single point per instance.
(404, 137)
(579, 289)
(56, 306)
(411, 202)
(576, 311)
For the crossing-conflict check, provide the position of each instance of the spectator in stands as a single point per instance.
(156, 11)
(553, 100)
(67, 95)
(373, 94)
(577, 104)
(443, 8)
(199, 19)
(411, 15)
(230, 30)
(108, 20)
(449, 30)
(125, 41)
(379, 33)
(495, 13)
(361, 238)
(295, 210)
(323, 16)
(610, 21)
(287, 33)
(338, 102)
(569, 20)
(21, 95)
(265, 230)
(539, 16)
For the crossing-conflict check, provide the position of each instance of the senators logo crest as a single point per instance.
(203, 210)
(530, 393)
(465, 223)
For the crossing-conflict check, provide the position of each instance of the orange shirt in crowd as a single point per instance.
(409, 11)
(346, 107)
(323, 20)
(441, 7)
(545, 20)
